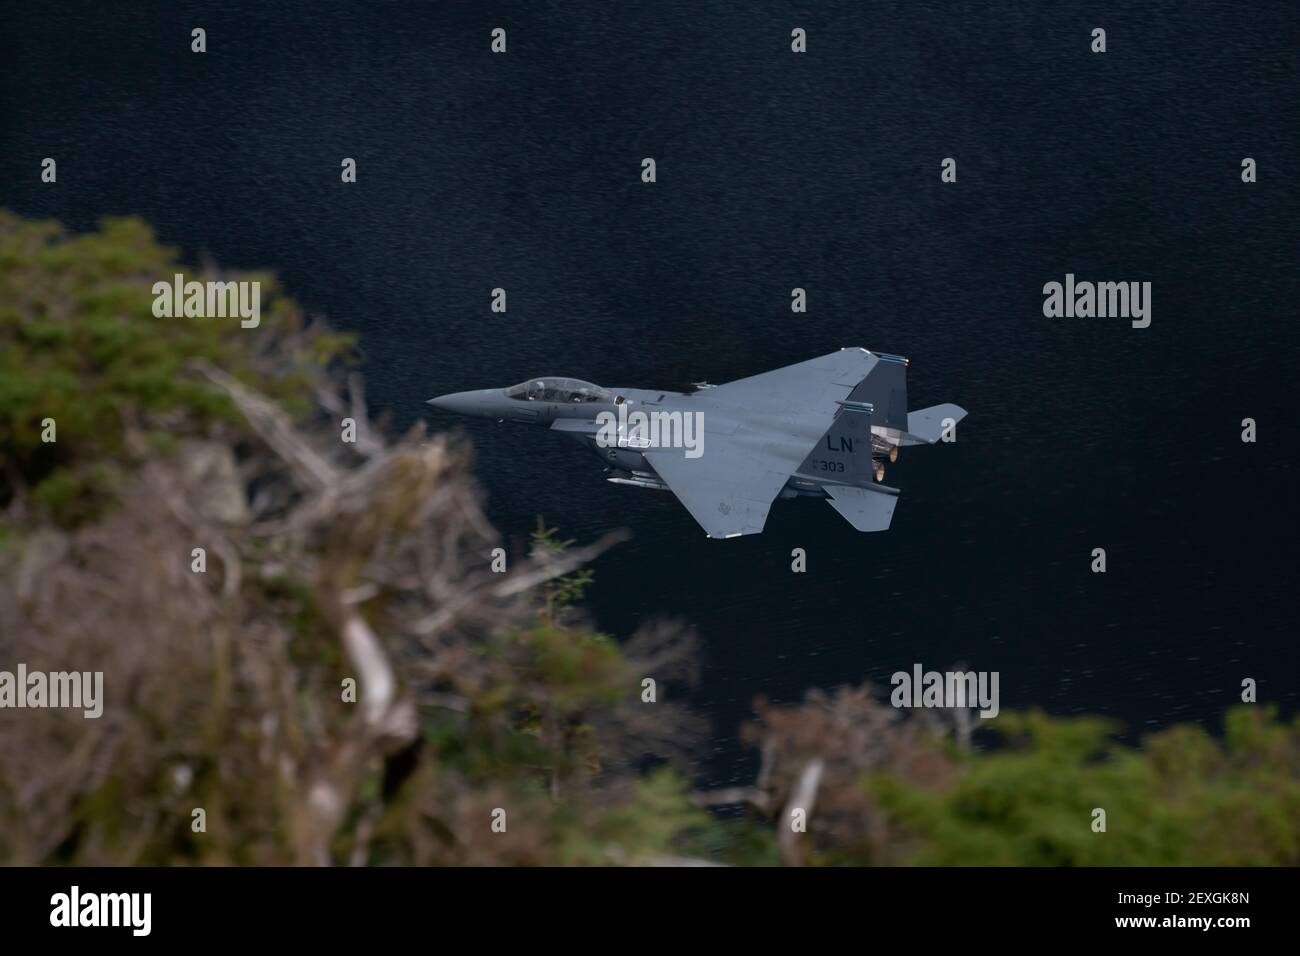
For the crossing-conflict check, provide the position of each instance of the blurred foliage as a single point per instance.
(560, 594)
(330, 563)
(79, 344)
(1181, 799)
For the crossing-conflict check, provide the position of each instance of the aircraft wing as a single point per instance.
(729, 488)
(813, 386)
(757, 432)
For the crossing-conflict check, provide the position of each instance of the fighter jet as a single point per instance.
(823, 428)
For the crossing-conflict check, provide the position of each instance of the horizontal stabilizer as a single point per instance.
(865, 508)
(926, 426)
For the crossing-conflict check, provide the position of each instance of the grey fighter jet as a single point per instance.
(822, 428)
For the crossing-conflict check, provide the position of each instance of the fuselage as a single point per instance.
(584, 412)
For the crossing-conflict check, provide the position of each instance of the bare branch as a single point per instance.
(803, 798)
(274, 427)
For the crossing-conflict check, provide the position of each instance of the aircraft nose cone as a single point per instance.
(483, 402)
(462, 403)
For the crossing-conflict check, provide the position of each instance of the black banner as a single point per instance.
(336, 906)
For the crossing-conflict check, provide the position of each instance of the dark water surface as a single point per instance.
(779, 170)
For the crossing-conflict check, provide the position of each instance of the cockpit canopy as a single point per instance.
(569, 391)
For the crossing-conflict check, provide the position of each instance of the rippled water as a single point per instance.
(775, 170)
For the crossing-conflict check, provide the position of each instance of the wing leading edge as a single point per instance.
(812, 386)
